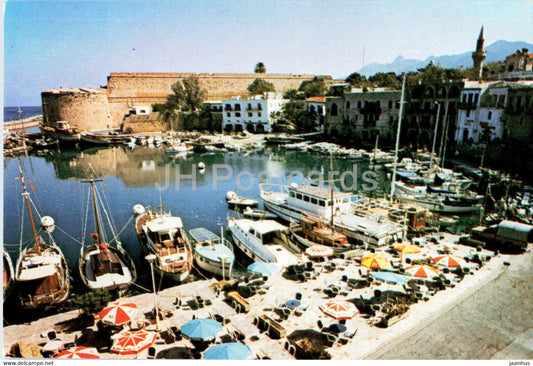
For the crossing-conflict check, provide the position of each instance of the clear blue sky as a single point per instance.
(77, 44)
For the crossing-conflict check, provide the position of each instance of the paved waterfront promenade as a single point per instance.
(493, 322)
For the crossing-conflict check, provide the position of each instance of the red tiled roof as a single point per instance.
(316, 99)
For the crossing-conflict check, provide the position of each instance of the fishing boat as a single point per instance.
(233, 200)
(8, 274)
(258, 214)
(212, 253)
(101, 265)
(297, 201)
(262, 241)
(312, 231)
(104, 137)
(447, 204)
(163, 235)
(61, 130)
(41, 272)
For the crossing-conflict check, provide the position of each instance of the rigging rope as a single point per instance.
(70, 236)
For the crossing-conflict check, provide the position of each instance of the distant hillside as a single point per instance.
(497, 51)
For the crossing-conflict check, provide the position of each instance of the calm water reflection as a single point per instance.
(144, 176)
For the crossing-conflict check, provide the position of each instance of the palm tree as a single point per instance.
(260, 68)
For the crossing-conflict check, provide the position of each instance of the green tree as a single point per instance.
(386, 80)
(260, 86)
(294, 113)
(314, 88)
(92, 302)
(432, 73)
(293, 94)
(355, 79)
(260, 68)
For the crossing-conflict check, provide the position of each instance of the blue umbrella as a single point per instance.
(390, 277)
(263, 268)
(228, 351)
(201, 329)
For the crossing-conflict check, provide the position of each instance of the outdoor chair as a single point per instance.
(320, 324)
(350, 334)
(298, 296)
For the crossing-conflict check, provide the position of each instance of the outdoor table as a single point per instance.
(337, 328)
(291, 304)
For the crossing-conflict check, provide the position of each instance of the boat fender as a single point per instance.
(294, 185)
(138, 210)
(201, 165)
(47, 224)
(231, 195)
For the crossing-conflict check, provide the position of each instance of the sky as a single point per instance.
(51, 44)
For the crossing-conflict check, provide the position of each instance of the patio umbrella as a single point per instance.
(339, 309)
(262, 268)
(118, 313)
(407, 248)
(319, 251)
(203, 329)
(133, 342)
(449, 261)
(390, 277)
(228, 351)
(79, 352)
(374, 261)
(422, 271)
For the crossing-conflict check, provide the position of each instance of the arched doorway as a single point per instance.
(239, 128)
(250, 128)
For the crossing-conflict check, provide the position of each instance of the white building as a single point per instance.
(478, 120)
(253, 114)
(317, 105)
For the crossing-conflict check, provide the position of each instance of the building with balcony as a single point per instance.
(317, 106)
(254, 114)
(364, 115)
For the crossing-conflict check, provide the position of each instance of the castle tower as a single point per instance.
(479, 55)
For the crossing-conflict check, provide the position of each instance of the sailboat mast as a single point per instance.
(331, 190)
(393, 183)
(95, 208)
(26, 196)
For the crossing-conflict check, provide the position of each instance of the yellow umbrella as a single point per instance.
(407, 248)
(374, 261)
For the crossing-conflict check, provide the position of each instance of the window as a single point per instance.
(490, 115)
(259, 108)
(307, 198)
(259, 114)
(470, 98)
(314, 200)
(322, 203)
(390, 104)
(320, 110)
(237, 107)
(298, 196)
(229, 114)
(250, 114)
(476, 98)
(334, 110)
(347, 105)
(228, 107)
(291, 194)
(359, 104)
(249, 106)
(468, 113)
(237, 114)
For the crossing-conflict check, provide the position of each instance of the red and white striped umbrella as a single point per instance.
(422, 271)
(449, 260)
(339, 309)
(133, 342)
(79, 352)
(319, 251)
(118, 313)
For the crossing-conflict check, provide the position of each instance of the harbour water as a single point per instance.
(146, 176)
(12, 113)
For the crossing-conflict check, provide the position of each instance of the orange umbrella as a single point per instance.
(374, 261)
(339, 309)
(133, 342)
(449, 260)
(407, 248)
(319, 251)
(422, 271)
(118, 313)
(79, 352)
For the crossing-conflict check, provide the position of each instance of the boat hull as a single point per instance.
(213, 267)
(441, 207)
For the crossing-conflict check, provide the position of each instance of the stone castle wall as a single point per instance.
(86, 109)
(90, 109)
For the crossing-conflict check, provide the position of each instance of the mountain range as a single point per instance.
(497, 51)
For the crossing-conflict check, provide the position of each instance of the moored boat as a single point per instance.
(233, 200)
(212, 253)
(263, 241)
(61, 130)
(163, 235)
(41, 272)
(101, 265)
(312, 231)
(8, 274)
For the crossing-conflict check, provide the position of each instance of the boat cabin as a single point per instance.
(318, 200)
(318, 231)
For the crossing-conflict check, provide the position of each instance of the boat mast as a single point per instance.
(95, 208)
(26, 196)
(393, 184)
(331, 190)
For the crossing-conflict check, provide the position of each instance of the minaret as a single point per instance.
(479, 55)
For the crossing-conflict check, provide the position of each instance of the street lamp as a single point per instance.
(150, 258)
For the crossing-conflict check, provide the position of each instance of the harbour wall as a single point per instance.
(109, 106)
